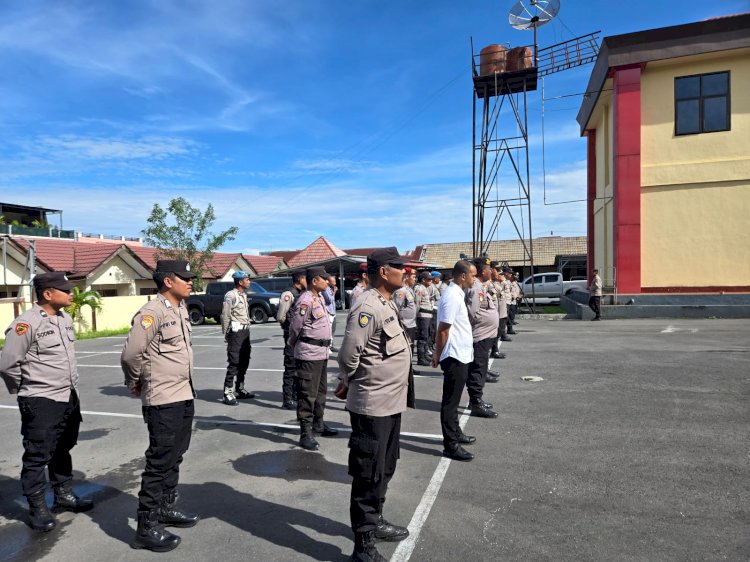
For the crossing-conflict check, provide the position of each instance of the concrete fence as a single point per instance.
(116, 312)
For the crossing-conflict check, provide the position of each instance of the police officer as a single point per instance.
(484, 321)
(406, 305)
(502, 311)
(157, 361)
(310, 337)
(283, 315)
(424, 317)
(39, 365)
(235, 325)
(375, 358)
(506, 291)
(361, 285)
(437, 279)
(515, 294)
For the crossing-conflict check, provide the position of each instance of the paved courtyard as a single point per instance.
(633, 447)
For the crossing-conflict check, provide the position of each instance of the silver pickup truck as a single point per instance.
(549, 287)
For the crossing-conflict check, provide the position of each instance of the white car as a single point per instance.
(548, 287)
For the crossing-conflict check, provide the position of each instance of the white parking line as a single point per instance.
(406, 547)
(202, 419)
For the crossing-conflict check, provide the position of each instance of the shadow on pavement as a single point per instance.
(266, 520)
(292, 465)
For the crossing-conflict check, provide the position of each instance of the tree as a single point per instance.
(92, 299)
(186, 236)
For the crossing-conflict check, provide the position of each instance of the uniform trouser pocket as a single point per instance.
(362, 457)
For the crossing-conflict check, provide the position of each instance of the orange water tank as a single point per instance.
(491, 60)
(519, 58)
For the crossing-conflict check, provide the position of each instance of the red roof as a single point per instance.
(264, 264)
(219, 263)
(319, 250)
(363, 252)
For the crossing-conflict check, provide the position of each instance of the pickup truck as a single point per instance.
(550, 286)
(262, 304)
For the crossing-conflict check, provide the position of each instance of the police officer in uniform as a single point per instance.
(405, 301)
(375, 358)
(484, 320)
(502, 311)
(515, 292)
(436, 278)
(157, 361)
(506, 292)
(310, 337)
(235, 325)
(424, 317)
(38, 364)
(283, 315)
(361, 285)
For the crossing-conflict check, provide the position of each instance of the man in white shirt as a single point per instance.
(454, 350)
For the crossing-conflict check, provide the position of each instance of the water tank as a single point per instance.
(491, 60)
(519, 58)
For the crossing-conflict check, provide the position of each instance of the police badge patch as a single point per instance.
(364, 319)
(22, 328)
(146, 321)
(303, 310)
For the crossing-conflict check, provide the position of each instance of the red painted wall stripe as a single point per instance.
(627, 178)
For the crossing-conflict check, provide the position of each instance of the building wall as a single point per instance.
(115, 274)
(695, 199)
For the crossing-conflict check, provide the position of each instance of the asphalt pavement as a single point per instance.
(634, 446)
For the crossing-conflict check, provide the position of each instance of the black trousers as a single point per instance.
(512, 309)
(288, 382)
(50, 431)
(169, 429)
(433, 328)
(454, 379)
(373, 454)
(423, 329)
(312, 384)
(238, 357)
(595, 305)
(477, 373)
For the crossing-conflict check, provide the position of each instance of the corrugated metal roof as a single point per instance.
(545, 250)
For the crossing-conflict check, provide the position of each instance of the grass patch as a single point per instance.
(101, 334)
(546, 309)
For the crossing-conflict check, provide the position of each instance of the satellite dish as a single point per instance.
(530, 14)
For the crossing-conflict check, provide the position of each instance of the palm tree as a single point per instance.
(91, 299)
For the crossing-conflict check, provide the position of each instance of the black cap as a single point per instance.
(178, 267)
(53, 280)
(318, 271)
(494, 264)
(383, 257)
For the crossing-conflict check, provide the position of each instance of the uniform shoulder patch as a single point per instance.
(302, 309)
(22, 328)
(287, 297)
(146, 321)
(364, 319)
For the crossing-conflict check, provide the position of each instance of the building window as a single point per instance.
(701, 103)
(107, 292)
(149, 291)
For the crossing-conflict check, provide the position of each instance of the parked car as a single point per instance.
(262, 304)
(550, 287)
(275, 284)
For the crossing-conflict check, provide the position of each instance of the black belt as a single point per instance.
(426, 311)
(313, 341)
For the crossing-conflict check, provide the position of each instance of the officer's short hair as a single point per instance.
(297, 275)
(39, 292)
(461, 267)
(160, 276)
(425, 275)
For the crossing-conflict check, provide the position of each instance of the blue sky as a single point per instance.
(295, 119)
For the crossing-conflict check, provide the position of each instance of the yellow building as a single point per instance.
(667, 116)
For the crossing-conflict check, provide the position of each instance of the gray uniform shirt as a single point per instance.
(482, 312)
(235, 310)
(407, 306)
(423, 300)
(375, 357)
(502, 307)
(506, 291)
(158, 353)
(309, 320)
(39, 358)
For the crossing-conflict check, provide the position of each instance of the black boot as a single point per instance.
(66, 500)
(172, 517)
(289, 404)
(152, 535)
(364, 548)
(422, 360)
(324, 429)
(306, 439)
(40, 518)
(243, 394)
(389, 532)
